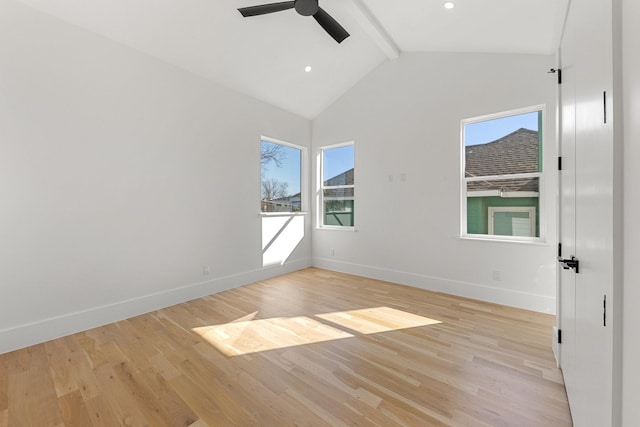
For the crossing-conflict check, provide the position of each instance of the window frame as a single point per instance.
(304, 178)
(540, 175)
(508, 209)
(321, 187)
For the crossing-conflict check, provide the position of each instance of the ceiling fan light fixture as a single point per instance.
(306, 7)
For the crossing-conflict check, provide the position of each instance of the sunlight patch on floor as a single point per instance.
(246, 335)
(377, 319)
(238, 338)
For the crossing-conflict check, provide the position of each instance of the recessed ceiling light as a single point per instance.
(449, 5)
(307, 69)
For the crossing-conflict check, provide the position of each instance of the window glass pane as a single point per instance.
(338, 212)
(494, 206)
(338, 166)
(281, 177)
(512, 224)
(338, 171)
(503, 146)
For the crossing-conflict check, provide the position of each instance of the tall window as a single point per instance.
(337, 186)
(502, 173)
(281, 171)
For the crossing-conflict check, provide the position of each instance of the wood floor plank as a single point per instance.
(74, 410)
(311, 348)
(121, 399)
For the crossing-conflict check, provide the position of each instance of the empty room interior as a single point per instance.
(333, 213)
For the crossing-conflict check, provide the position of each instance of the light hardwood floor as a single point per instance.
(311, 348)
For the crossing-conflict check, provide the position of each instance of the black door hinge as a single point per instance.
(559, 249)
(604, 311)
(557, 71)
(604, 105)
(559, 163)
(559, 336)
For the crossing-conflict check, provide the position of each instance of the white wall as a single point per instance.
(120, 178)
(631, 313)
(405, 119)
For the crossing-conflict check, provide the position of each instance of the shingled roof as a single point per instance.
(345, 178)
(513, 153)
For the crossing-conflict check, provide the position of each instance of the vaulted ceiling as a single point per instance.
(265, 56)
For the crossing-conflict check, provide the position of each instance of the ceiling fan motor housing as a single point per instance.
(306, 7)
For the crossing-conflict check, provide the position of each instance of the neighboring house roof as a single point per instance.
(288, 198)
(513, 153)
(345, 178)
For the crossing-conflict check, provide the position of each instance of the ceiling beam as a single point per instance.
(374, 28)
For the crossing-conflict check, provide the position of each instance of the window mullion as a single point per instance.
(503, 177)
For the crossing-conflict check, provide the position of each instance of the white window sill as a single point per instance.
(351, 229)
(502, 239)
(267, 214)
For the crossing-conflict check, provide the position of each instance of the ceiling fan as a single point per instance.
(304, 8)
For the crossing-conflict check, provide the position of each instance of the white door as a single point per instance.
(567, 228)
(586, 212)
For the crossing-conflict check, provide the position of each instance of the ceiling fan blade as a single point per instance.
(330, 25)
(263, 9)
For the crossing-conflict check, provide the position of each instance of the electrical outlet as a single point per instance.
(497, 275)
(333, 252)
(206, 270)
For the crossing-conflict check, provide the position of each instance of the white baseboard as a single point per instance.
(47, 329)
(528, 301)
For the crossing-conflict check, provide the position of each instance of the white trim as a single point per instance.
(24, 335)
(503, 194)
(376, 31)
(280, 142)
(503, 114)
(514, 194)
(484, 193)
(337, 187)
(261, 214)
(503, 177)
(505, 239)
(525, 300)
(338, 145)
(337, 228)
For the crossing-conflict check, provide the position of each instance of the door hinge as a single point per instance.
(557, 71)
(604, 311)
(559, 249)
(559, 163)
(604, 105)
(559, 336)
